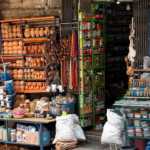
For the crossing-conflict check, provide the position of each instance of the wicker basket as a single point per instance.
(18, 116)
(29, 115)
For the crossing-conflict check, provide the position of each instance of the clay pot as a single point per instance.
(15, 35)
(22, 96)
(14, 65)
(17, 65)
(6, 36)
(32, 62)
(19, 35)
(3, 36)
(15, 43)
(32, 32)
(6, 30)
(3, 31)
(20, 43)
(2, 25)
(15, 48)
(25, 50)
(10, 44)
(37, 87)
(19, 28)
(14, 28)
(35, 49)
(41, 32)
(29, 49)
(37, 32)
(27, 33)
(29, 76)
(32, 87)
(26, 86)
(27, 64)
(15, 72)
(20, 76)
(32, 50)
(27, 26)
(15, 76)
(10, 35)
(39, 62)
(6, 44)
(47, 31)
(27, 101)
(29, 83)
(20, 71)
(19, 51)
(20, 47)
(34, 84)
(10, 52)
(21, 83)
(26, 76)
(6, 25)
(39, 50)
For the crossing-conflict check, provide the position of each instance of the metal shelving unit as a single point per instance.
(93, 68)
(35, 23)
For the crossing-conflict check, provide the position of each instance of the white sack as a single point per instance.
(111, 135)
(115, 120)
(79, 134)
(64, 129)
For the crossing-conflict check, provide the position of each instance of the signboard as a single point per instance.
(85, 6)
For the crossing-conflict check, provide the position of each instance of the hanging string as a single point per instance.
(70, 84)
(76, 79)
(72, 45)
(73, 74)
(75, 46)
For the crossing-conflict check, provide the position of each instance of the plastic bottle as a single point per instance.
(24, 137)
(19, 136)
(13, 135)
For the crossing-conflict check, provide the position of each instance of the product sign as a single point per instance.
(85, 6)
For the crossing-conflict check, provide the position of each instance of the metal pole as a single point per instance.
(41, 136)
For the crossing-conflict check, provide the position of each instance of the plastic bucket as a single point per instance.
(128, 148)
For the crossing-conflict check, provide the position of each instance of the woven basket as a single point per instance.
(18, 116)
(29, 115)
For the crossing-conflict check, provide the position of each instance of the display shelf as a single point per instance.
(35, 91)
(14, 39)
(34, 67)
(137, 137)
(137, 97)
(93, 60)
(85, 116)
(35, 79)
(148, 119)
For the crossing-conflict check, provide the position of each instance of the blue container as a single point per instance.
(9, 86)
(5, 77)
(142, 90)
(12, 98)
(10, 92)
(134, 93)
(68, 105)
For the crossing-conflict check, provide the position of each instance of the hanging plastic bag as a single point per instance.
(64, 129)
(111, 135)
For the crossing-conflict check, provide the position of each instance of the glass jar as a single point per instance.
(13, 135)
(19, 136)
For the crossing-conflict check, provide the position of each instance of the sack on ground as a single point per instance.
(115, 119)
(64, 129)
(111, 135)
(79, 134)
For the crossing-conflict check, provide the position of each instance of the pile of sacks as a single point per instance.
(68, 130)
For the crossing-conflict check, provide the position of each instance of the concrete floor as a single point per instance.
(92, 146)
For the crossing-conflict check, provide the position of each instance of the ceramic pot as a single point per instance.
(37, 87)
(47, 31)
(15, 48)
(27, 33)
(3, 31)
(32, 87)
(6, 25)
(14, 65)
(41, 32)
(27, 64)
(29, 76)
(3, 36)
(39, 62)
(14, 28)
(19, 51)
(26, 86)
(6, 44)
(43, 48)
(6, 31)
(10, 35)
(10, 29)
(15, 43)
(27, 26)
(17, 65)
(39, 50)
(19, 28)
(34, 84)
(6, 36)
(15, 76)
(19, 35)
(26, 76)
(35, 49)
(37, 32)
(29, 49)
(32, 50)
(15, 35)
(32, 32)
(10, 44)
(20, 43)
(10, 52)
(2, 25)
(20, 47)
(21, 83)
(25, 50)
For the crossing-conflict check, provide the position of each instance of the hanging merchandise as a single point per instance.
(68, 55)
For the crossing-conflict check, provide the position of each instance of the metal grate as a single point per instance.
(140, 13)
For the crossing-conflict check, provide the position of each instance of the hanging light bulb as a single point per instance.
(128, 7)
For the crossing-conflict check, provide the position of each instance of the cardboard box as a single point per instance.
(34, 137)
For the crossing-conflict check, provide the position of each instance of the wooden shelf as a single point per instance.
(35, 91)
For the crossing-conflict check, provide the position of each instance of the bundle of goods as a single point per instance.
(10, 31)
(9, 48)
(37, 32)
(68, 55)
(33, 74)
(34, 49)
